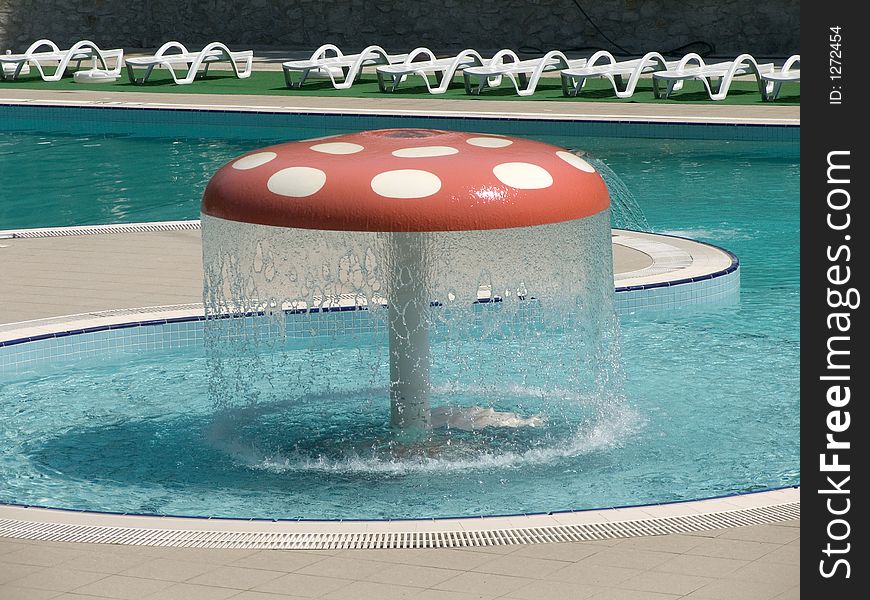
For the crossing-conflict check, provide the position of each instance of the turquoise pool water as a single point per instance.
(711, 398)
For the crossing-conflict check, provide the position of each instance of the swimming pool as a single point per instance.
(712, 397)
(89, 179)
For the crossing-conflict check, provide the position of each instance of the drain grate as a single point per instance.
(101, 229)
(13, 528)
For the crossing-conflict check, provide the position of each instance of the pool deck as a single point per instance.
(48, 277)
(758, 562)
(596, 111)
(126, 270)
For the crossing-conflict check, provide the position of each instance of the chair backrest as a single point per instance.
(326, 49)
(469, 53)
(212, 46)
(654, 59)
(414, 54)
(790, 63)
(555, 59)
(376, 52)
(601, 57)
(689, 58)
(748, 62)
(173, 45)
(503, 56)
(39, 44)
(82, 45)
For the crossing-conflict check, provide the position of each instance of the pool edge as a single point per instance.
(754, 508)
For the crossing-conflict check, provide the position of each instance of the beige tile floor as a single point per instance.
(46, 277)
(744, 563)
(41, 279)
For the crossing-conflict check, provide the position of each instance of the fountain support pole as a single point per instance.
(409, 332)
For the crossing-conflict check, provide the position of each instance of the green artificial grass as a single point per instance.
(271, 83)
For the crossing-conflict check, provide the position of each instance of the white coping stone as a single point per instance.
(788, 496)
(12, 331)
(673, 258)
(396, 107)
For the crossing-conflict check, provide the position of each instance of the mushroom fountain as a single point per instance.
(426, 241)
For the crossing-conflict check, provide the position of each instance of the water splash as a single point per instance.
(500, 367)
(243, 436)
(480, 417)
(625, 212)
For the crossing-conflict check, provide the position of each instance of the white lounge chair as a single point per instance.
(342, 69)
(524, 74)
(11, 68)
(622, 75)
(191, 61)
(443, 69)
(773, 80)
(716, 78)
(46, 51)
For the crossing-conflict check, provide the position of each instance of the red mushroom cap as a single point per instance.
(406, 180)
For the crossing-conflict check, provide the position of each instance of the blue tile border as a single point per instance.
(191, 319)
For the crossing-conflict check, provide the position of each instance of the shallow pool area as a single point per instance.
(710, 404)
(140, 434)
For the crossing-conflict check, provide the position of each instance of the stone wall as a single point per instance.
(731, 26)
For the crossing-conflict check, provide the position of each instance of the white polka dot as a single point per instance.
(425, 152)
(488, 142)
(406, 183)
(254, 160)
(523, 176)
(297, 182)
(575, 161)
(337, 148)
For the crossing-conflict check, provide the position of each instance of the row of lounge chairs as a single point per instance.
(478, 73)
(170, 56)
(174, 54)
(41, 52)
